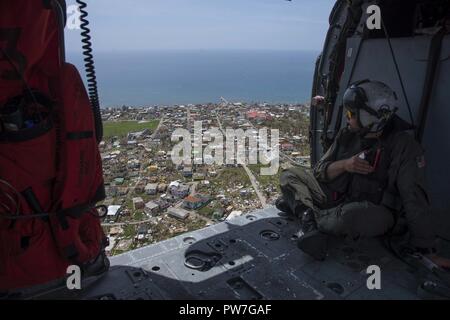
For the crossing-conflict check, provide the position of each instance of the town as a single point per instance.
(150, 198)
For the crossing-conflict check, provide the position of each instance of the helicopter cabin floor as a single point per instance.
(255, 257)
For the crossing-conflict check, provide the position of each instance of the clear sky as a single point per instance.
(137, 25)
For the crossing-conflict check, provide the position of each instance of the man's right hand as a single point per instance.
(357, 165)
(354, 165)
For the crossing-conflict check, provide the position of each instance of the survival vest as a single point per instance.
(50, 166)
(357, 187)
(371, 187)
(379, 186)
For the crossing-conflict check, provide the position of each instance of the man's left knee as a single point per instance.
(367, 220)
(356, 219)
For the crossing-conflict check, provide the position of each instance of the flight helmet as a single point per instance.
(372, 102)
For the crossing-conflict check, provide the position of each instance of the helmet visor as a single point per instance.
(352, 100)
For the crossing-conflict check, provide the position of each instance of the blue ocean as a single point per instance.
(183, 77)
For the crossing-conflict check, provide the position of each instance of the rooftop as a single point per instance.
(112, 210)
(192, 199)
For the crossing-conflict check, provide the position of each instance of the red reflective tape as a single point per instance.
(377, 158)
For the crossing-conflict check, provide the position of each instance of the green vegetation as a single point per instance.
(294, 123)
(206, 211)
(129, 204)
(233, 176)
(116, 252)
(255, 167)
(121, 128)
(266, 180)
(139, 216)
(129, 231)
(194, 224)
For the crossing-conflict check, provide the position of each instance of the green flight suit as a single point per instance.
(355, 205)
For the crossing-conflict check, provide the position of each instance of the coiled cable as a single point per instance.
(9, 200)
(91, 77)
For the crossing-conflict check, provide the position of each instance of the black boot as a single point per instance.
(312, 241)
(96, 267)
(283, 206)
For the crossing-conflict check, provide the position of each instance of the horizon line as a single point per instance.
(197, 49)
(304, 103)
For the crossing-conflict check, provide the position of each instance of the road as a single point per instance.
(194, 188)
(251, 177)
(142, 169)
(254, 183)
(161, 121)
(120, 224)
(281, 153)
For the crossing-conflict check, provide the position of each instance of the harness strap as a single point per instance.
(79, 135)
(74, 212)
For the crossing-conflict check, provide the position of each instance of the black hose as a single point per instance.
(91, 77)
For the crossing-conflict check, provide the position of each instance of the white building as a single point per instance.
(151, 188)
(178, 213)
(113, 213)
(151, 208)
